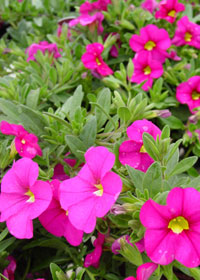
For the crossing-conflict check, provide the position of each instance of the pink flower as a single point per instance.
(149, 5)
(189, 93)
(153, 41)
(187, 33)
(91, 193)
(92, 59)
(93, 258)
(55, 219)
(173, 55)
(43, 47)
(116, 246)
(146, 69)
(144, 271)
(26, 143)
(132, 151)
(9, 271)
(59, 172)
(23, 197)
(168, 10)
(172, 230)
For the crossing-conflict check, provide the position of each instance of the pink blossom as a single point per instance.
(149, 5)
(92, 59)
(93, 258)
(187, 33)
(168, 10)
(91, 193)
(55, 219)
(144, 271)
(43, 47)
(26, 143)
(172, 230)
(189, 93)
(173, 55)
(59, 172)
(9, 271)
(153, 41)
(146, 69)
(116, 246)
(23, 197)
(132, 151)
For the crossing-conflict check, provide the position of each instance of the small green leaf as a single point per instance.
(136, 176)
(153, 179)
(124, 114)
(183, 165)
(88, 134)
(6, 243)
(104, 100)
(150, 146)
(55, 271)
(32, 98)
(165, 132)
(77, 147)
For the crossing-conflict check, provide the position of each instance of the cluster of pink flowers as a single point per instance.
(132, 151)
(44, 47)
(91, 15)
(26, 143)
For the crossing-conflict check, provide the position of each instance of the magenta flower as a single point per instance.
(132, 151)
(168, 10)
(26, 143)
(91, 193)
(187, 33)
(92, 59)
(144, 271)
(23, 197)
(43, 47)
(173, 55)
(116, 245)
(93, 259)
(189, 93)
(146, 69)
(149, 5)
(153, 41)
(55, 219)
(172, 230)
(9, 271)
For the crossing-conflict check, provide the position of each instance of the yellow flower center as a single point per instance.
(172, 13)
(188, 37)
(31, 196)
(98, 61)
(147, 70)
(195, 95)
(142, 150)
(100, 190)
(23, 141)
(178, 224)
(67, 213)
(149, 45)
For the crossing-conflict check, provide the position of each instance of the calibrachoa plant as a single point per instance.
(100, 139)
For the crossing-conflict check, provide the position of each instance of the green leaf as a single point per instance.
(165, 132)
(80, 274)
(183, 165)
(124, 114)
(195, 272)
(150, 146)
(32, 98)
(6, 243)
(3, 234)
(136, 176)
(195, 183)
(153, 179)
(173, 122)
(88, 134)
(56, 271)
(104, 100)
(131, 253)
(77, 147)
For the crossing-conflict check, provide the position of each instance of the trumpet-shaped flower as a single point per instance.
(23, 197)
(168, 10)
(44, 47)
(187, 33)
(55, 219)
(92, 59)
(149, 5)
(93, 258)
(132, 151)
(26, 143)
(173, 230)
(144, 271)
(152, 41)
(146, 69)
(189, 93)
(93, 191)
